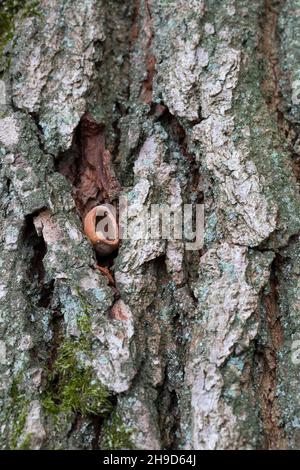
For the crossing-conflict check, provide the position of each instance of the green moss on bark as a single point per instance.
(71, 387)
(17, 413)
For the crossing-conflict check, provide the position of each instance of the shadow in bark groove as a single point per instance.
(266, 356)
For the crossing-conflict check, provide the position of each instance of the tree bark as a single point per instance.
(152, 346)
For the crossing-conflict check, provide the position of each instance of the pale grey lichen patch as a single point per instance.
(47, 228)
(178, 73)
(150, 157)
(181, 80)
(139, 415)
(55, 230)
(3, 291)
(9, 132)
(34, 429)
(22, 168)
(207, 407)
(114, 362)
(227, 303)
(11, 235)
(228, 300)
(25, 343)
(138, 287)
(2, 352)
(152, 174)
(52, 72)
(175, 261)
(249, 217)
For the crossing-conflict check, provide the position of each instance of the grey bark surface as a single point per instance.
(190, 349)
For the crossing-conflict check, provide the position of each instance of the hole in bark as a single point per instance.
(88, 166)
(37, 246)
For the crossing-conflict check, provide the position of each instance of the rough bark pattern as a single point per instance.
(189, 101)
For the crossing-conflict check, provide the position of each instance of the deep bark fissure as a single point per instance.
(168, 415)
(270, 53)
(288, 127)
(147, 87)
(273, 431)
(39, 249)
(42, 292)
(267, 354)
(166, 402)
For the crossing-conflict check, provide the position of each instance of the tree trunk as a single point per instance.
(150, 345)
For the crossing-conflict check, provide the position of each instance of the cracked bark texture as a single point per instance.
(189, 349)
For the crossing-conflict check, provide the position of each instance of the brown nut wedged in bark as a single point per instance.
(100, 226)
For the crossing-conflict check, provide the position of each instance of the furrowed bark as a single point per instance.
(153, 346)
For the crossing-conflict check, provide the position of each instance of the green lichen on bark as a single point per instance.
(115, 435)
